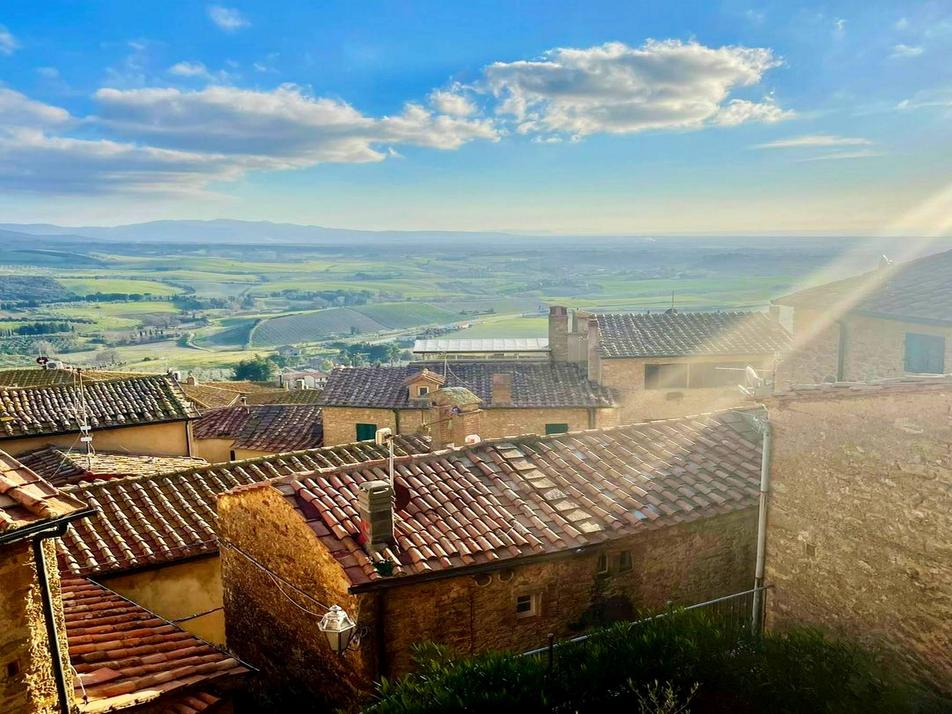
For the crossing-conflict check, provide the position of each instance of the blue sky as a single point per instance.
(602, 118)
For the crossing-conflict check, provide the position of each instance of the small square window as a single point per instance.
(624, 561)
(602, 566)
(423, 391)
(527, 605)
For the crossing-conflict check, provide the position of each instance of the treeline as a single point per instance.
(360, 353)
(37, 328)
(329, 297)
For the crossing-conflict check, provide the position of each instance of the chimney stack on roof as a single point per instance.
(375, 508)
(501, 393)
(454, 415)
(559, 333)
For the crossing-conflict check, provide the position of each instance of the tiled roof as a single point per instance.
(27, 500)
(919, 290)
(681, 334)
(491, 344)
(36, 377)
(61, 467)
(534, 384)
(286, 396)
(243, 386)
(206, 397)
(35, 411)
(154, 520)
(264, 427)
(537, 495)
(126, 656)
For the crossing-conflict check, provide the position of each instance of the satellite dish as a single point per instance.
(401, 496)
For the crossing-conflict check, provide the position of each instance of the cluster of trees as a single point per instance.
(256, 369)
(38, 328)
(361, 353)
(328, 297)
(121, 297)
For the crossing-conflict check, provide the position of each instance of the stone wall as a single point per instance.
(26, 673)
(874, 349)
(271, 625)
(685, 563)
(860, 522)
(340, 422)
(627, 378)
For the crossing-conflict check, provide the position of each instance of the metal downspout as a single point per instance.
(47, 599)
(765, 462)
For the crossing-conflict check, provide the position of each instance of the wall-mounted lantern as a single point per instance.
(338, 628)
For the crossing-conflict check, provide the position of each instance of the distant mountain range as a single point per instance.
(234, 232)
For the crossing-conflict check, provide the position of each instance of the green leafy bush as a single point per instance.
(683, 662)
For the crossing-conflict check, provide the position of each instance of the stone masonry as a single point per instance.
(860, 519)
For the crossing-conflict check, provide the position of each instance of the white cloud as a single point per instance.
(839, 24)
(617, 89)
(932, 98)
(452, 102)
(841, 155)
(189, 69)
(48, 72)
(227, 18)
(902, 23)
(814, 141)
(8, 43)
(901, 51)
(284, 125)
(19, 110)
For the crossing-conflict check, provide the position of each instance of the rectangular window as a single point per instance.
(624, 561)
(527, 605)
(366, 432)
(717, 374)
(423, 391)
(602, 566)
(925, 354)
(666, 376)
(556, 428)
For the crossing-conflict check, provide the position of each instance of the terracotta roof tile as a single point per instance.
(27, 500)
(39, 377)
(270, 427)
(534, 495)
(676, 334)
(286, 396)
(534, 384)
(208, 397)
(35, 411)
(891, 385)
(62, 467)
(126, 656)
(918, 290)
(159, 519)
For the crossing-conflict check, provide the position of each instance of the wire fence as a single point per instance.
(739, 612)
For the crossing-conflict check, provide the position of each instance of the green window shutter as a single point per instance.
(556, 428)
(925, 354)
(366, 432)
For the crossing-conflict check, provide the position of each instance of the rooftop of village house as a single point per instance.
(125, 655)
(154, 520)
(264, 427)
(534, 495)
(27, 501)
(62, 467)
(672, 333)
(39, 376)
(533, 384)
(55, 409)
(918, 291)
(839, 390)
(487, 344)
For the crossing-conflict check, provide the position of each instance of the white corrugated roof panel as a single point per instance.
(490, 344)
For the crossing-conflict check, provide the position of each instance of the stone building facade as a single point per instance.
(514, 556)
(891, 322)
(860, 518)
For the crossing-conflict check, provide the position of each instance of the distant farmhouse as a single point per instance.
(892, 321)
(486, 547)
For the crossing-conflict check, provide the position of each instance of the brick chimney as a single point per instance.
(578, 337)
(454, 415)
(375, 508)
(559, 333)
(501, 389)
(594, 354)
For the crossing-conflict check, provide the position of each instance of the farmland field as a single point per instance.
(234, 298)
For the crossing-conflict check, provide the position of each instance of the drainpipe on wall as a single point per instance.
(46, 598)
(762, 423)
